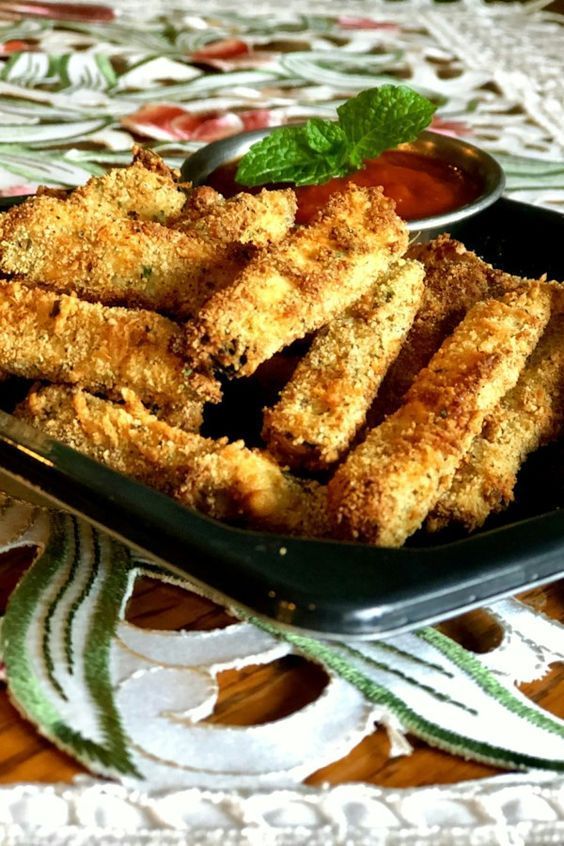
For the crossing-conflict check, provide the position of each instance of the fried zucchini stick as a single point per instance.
(258, 220)
(225, 480)
(61, 338)
(236, 482)
(118, 261)
(455, 279)
(147, 190)
(144, 190)
(299, 285)
(528, 416)
(325, 402)
(387, 486)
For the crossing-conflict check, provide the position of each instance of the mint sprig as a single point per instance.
(373, 121)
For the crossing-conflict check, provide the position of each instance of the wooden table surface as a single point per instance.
(258, 694)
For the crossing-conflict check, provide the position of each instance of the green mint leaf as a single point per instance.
(288, 156)
(325, 136)
(381, 118)
(319, 150)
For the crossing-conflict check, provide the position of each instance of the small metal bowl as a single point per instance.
(471, 160)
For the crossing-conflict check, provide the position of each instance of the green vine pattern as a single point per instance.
(63, 617)
(75, 95)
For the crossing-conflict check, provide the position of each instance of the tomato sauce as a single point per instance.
(421, 185)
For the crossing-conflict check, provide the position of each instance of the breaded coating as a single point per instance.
(79, 245)
(299, 285)
(462, 267)
(226, 481)
(61, 338)
(146, 190)
(199, 201)
(455, 279)
(113, 260)
(388, 485)
(255, 219)
(125, 437)
(49, 191)
(235, 481)
(528, 416)
(325, 402)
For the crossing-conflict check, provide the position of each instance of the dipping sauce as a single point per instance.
(421, 185)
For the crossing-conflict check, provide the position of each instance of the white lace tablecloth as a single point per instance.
(74, 94)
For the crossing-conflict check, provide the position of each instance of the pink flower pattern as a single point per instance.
(456, 128)
(164, 122)
(352, 22)
(88, 13)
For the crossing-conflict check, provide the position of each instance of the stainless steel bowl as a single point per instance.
(473, 161)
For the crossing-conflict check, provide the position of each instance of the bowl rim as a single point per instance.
(198, 166)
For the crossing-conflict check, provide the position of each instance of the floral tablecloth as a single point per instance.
(78, 85)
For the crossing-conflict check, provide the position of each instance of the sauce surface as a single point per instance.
(421, 185)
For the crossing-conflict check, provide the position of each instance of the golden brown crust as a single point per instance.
(226, 481)
(455, 279)
(95, 244)
(234, 482)
(252, 284)
(387, 486)
(113, 260)
(300, 284)
(258, 220)
(529, 415)
(152, 162)
(325, 402)
(61, 338)
(125, 437)
(199, 202)
(147, 190)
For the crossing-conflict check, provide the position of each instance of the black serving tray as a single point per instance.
(330, 588)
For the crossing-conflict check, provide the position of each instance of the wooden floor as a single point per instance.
(259, 694)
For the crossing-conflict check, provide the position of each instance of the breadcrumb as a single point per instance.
(325, 402)
(257, 220)
(94, 244)
(60, 338)
(528, 416)
(455, 279)
(299, 285)
(113, 260)
(146, 190)
(387, 485)
(225, 480)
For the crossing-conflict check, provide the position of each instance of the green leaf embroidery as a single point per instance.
(51, 575)
(356, 666)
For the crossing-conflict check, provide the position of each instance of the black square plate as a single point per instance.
(328, 587)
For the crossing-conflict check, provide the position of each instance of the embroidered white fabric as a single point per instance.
(510, 810)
